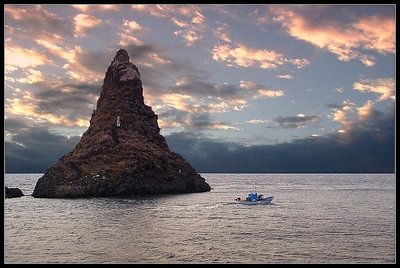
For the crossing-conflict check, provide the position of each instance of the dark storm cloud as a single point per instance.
(34, 149)
(295, 121)
(364, 149)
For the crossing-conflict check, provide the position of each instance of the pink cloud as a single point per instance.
(344, 39)
(20, 57)
(244, 56)
(385, 87)
(84, 22)
(90, 8)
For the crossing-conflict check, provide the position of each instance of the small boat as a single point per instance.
(254, 199)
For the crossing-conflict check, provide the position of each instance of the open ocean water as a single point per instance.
(314, 218)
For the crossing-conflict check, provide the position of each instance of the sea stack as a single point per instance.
(122, 153)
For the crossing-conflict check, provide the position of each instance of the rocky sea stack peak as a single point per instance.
(122, 153)
(121, 57)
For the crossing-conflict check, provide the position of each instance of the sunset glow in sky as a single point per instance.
(246, 79)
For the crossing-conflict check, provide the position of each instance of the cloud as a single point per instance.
(340, 114)
(260, 16)
(102, 8)
(69, 102)
(368, 148)
(35, 21)
(75, 101)
(34, 149)
(55, 102)
(257, 15)
(178, 22)
(191, 121)
(133, 25)
(189, 19)
(348, 114)
(191, 31)
(257, 121)
(166, 11)
(222, 33)
(160, 11)
(20, 106)
(193, 94)
(367, 111)
(198, 18)
(192, 100)
(19, 57)
(368, 60)
(128, 39)
(83, 22)
(378, 32)
(32, 76)
(82, 65)
(342, 31)
(156, 68)
(130, 30)
(55, 50)
(244, 56)
(199, 87)
(385, 87)
(190, 37)
(285, 76)
(260, 91)
(298, 121)
(92, 63)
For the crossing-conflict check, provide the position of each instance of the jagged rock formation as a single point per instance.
(122, 153)
(13, 192)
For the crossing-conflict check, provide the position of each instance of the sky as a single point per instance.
(237, 88)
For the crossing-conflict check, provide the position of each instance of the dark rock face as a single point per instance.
(122, 153)
(13, 192)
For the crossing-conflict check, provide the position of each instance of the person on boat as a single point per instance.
(260, 196)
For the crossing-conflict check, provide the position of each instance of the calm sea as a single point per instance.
(314, 218)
